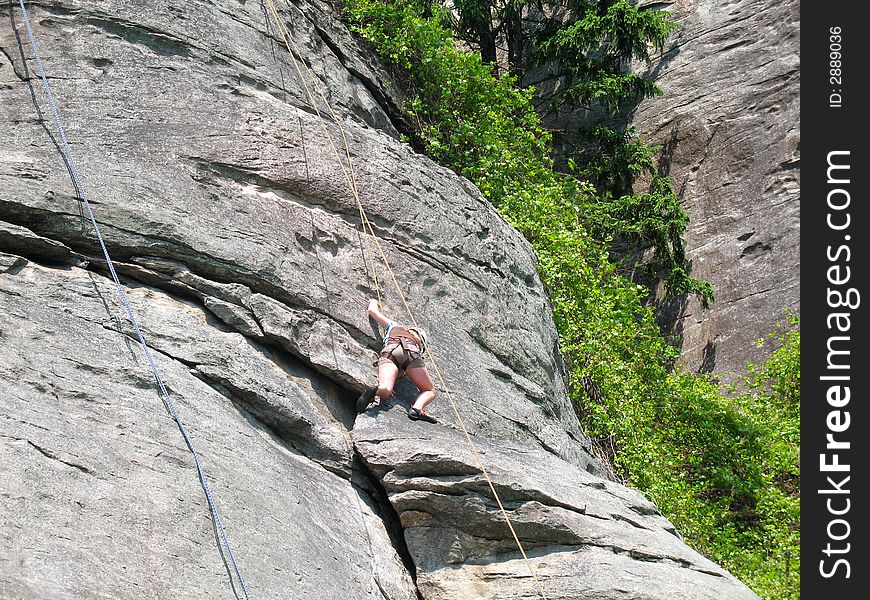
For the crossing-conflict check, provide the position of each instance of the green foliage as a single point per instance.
(589, 45)
(722, 469)
(651, 219)
(593, 45)
(484, 128)
(725, 470)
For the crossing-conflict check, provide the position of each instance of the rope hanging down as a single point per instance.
(348, 171)
(122, 296)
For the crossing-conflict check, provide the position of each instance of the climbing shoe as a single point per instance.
(365, 399)
(416, 414)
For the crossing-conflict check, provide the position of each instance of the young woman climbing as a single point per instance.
(402, 352)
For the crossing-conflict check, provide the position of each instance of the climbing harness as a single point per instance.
(122, 297)
(349, 174)
(424, 339)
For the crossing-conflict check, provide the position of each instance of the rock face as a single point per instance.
(729, 122)
(237, 240)
(584, 537)
(729, 128)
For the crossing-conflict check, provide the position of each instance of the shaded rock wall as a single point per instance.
(729, 124)
(237, 241)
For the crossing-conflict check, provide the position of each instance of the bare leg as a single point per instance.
(419, 376)
(387, 375)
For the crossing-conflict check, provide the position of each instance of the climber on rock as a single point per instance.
(402, 352)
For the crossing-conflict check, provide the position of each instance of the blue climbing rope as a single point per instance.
(122, 296)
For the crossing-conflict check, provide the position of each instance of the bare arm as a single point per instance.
(376, 314)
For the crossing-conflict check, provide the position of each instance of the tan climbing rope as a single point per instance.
(349, 174)
(348, 171)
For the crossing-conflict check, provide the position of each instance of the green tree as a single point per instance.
(634, 221)
(589, 45)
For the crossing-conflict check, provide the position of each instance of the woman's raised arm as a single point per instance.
(375, 312)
